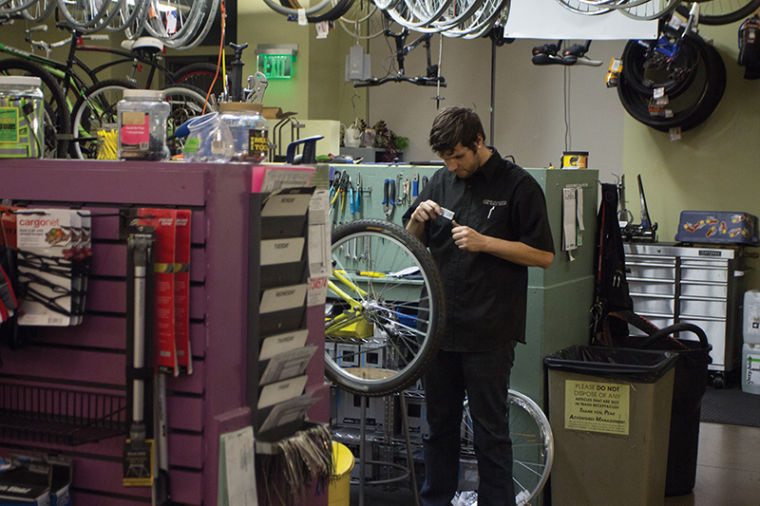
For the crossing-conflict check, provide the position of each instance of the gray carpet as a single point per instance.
(730, 406)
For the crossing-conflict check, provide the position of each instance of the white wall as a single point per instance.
(529, 106)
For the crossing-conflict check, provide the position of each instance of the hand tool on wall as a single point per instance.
(386, 201)
(359, 191)
(399, 186)
(415, 185)
(334, 184)
(343, 189)
(424, 182)
(407, 191)
(351, 203)
(139, 450)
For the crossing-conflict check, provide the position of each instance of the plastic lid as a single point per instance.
(240, 106)
(21, 80)
(154, 94)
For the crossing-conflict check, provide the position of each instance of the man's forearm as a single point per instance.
(518, 252)
(417, 229)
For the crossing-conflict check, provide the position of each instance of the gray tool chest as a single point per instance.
(702, 285)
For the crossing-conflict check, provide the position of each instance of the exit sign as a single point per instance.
(275, 66)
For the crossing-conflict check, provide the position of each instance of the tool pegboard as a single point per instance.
(384, 191)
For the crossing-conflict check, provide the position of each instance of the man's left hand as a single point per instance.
(467, 238)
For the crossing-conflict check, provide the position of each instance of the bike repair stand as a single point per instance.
(408, 472)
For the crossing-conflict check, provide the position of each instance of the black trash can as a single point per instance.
(690, 383)
(609, 410)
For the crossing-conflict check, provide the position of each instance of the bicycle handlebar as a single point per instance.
(419, 81)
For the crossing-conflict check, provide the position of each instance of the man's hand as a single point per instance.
(466, 238)
(427, 210)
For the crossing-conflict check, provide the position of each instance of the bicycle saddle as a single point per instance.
(577, 54)
(150, 44)
(546, 54)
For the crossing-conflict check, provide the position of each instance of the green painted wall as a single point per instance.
(713, 167)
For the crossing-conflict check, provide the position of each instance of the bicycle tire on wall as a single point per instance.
(713, 17)
(706, 94)
(53, 97)
(391, 236)
(636, 62)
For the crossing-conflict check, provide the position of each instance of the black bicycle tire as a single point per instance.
(188, 73)
(633, 61)
(332, 14)
(722, 19)
(715, 91)
(87, 93)
(709, 96)
(430, 346)
(63, 118)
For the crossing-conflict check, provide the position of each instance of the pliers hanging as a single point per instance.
(389, 197)
(344, 179)
(334, 185)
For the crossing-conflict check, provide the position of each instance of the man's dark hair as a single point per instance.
(454, 125)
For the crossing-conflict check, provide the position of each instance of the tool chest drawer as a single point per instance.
(644, 267)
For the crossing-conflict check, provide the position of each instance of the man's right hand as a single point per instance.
(427, 210)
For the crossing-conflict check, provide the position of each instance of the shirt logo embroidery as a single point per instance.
(494, 204)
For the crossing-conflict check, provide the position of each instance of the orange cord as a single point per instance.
(219, 59)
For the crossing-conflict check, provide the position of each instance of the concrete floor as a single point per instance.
(728, 472)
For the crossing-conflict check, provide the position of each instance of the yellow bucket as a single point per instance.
(339, 490)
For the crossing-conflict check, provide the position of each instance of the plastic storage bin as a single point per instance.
(22, 128)
(250, 131)
(751, 368)
(142, 125)
(609, 410)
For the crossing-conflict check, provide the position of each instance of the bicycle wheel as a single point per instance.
(39, 10)
(56, 109)
(200, 76)
(668, 63)
(385, 311)
(364, 20)
(720, 12)
(691, 107)
(186, 102)
(95, 120)
(532, 445)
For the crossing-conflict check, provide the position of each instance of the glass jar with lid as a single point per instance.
(142, 125)
(250, 131)
(22, 128)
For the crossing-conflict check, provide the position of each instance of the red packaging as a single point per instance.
(163, 221)
(182, 292)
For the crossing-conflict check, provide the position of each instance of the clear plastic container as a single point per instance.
(22, 128)
(209, 140)
(250, 131)
(142, 125)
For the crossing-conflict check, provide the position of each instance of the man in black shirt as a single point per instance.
(498, 230)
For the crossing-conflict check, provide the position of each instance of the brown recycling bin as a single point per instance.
(609, 410)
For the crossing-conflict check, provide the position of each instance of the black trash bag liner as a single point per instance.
(626, 364)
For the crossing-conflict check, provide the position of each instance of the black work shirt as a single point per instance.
(485, 295)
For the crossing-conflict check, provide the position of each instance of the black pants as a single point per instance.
(484, 377)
